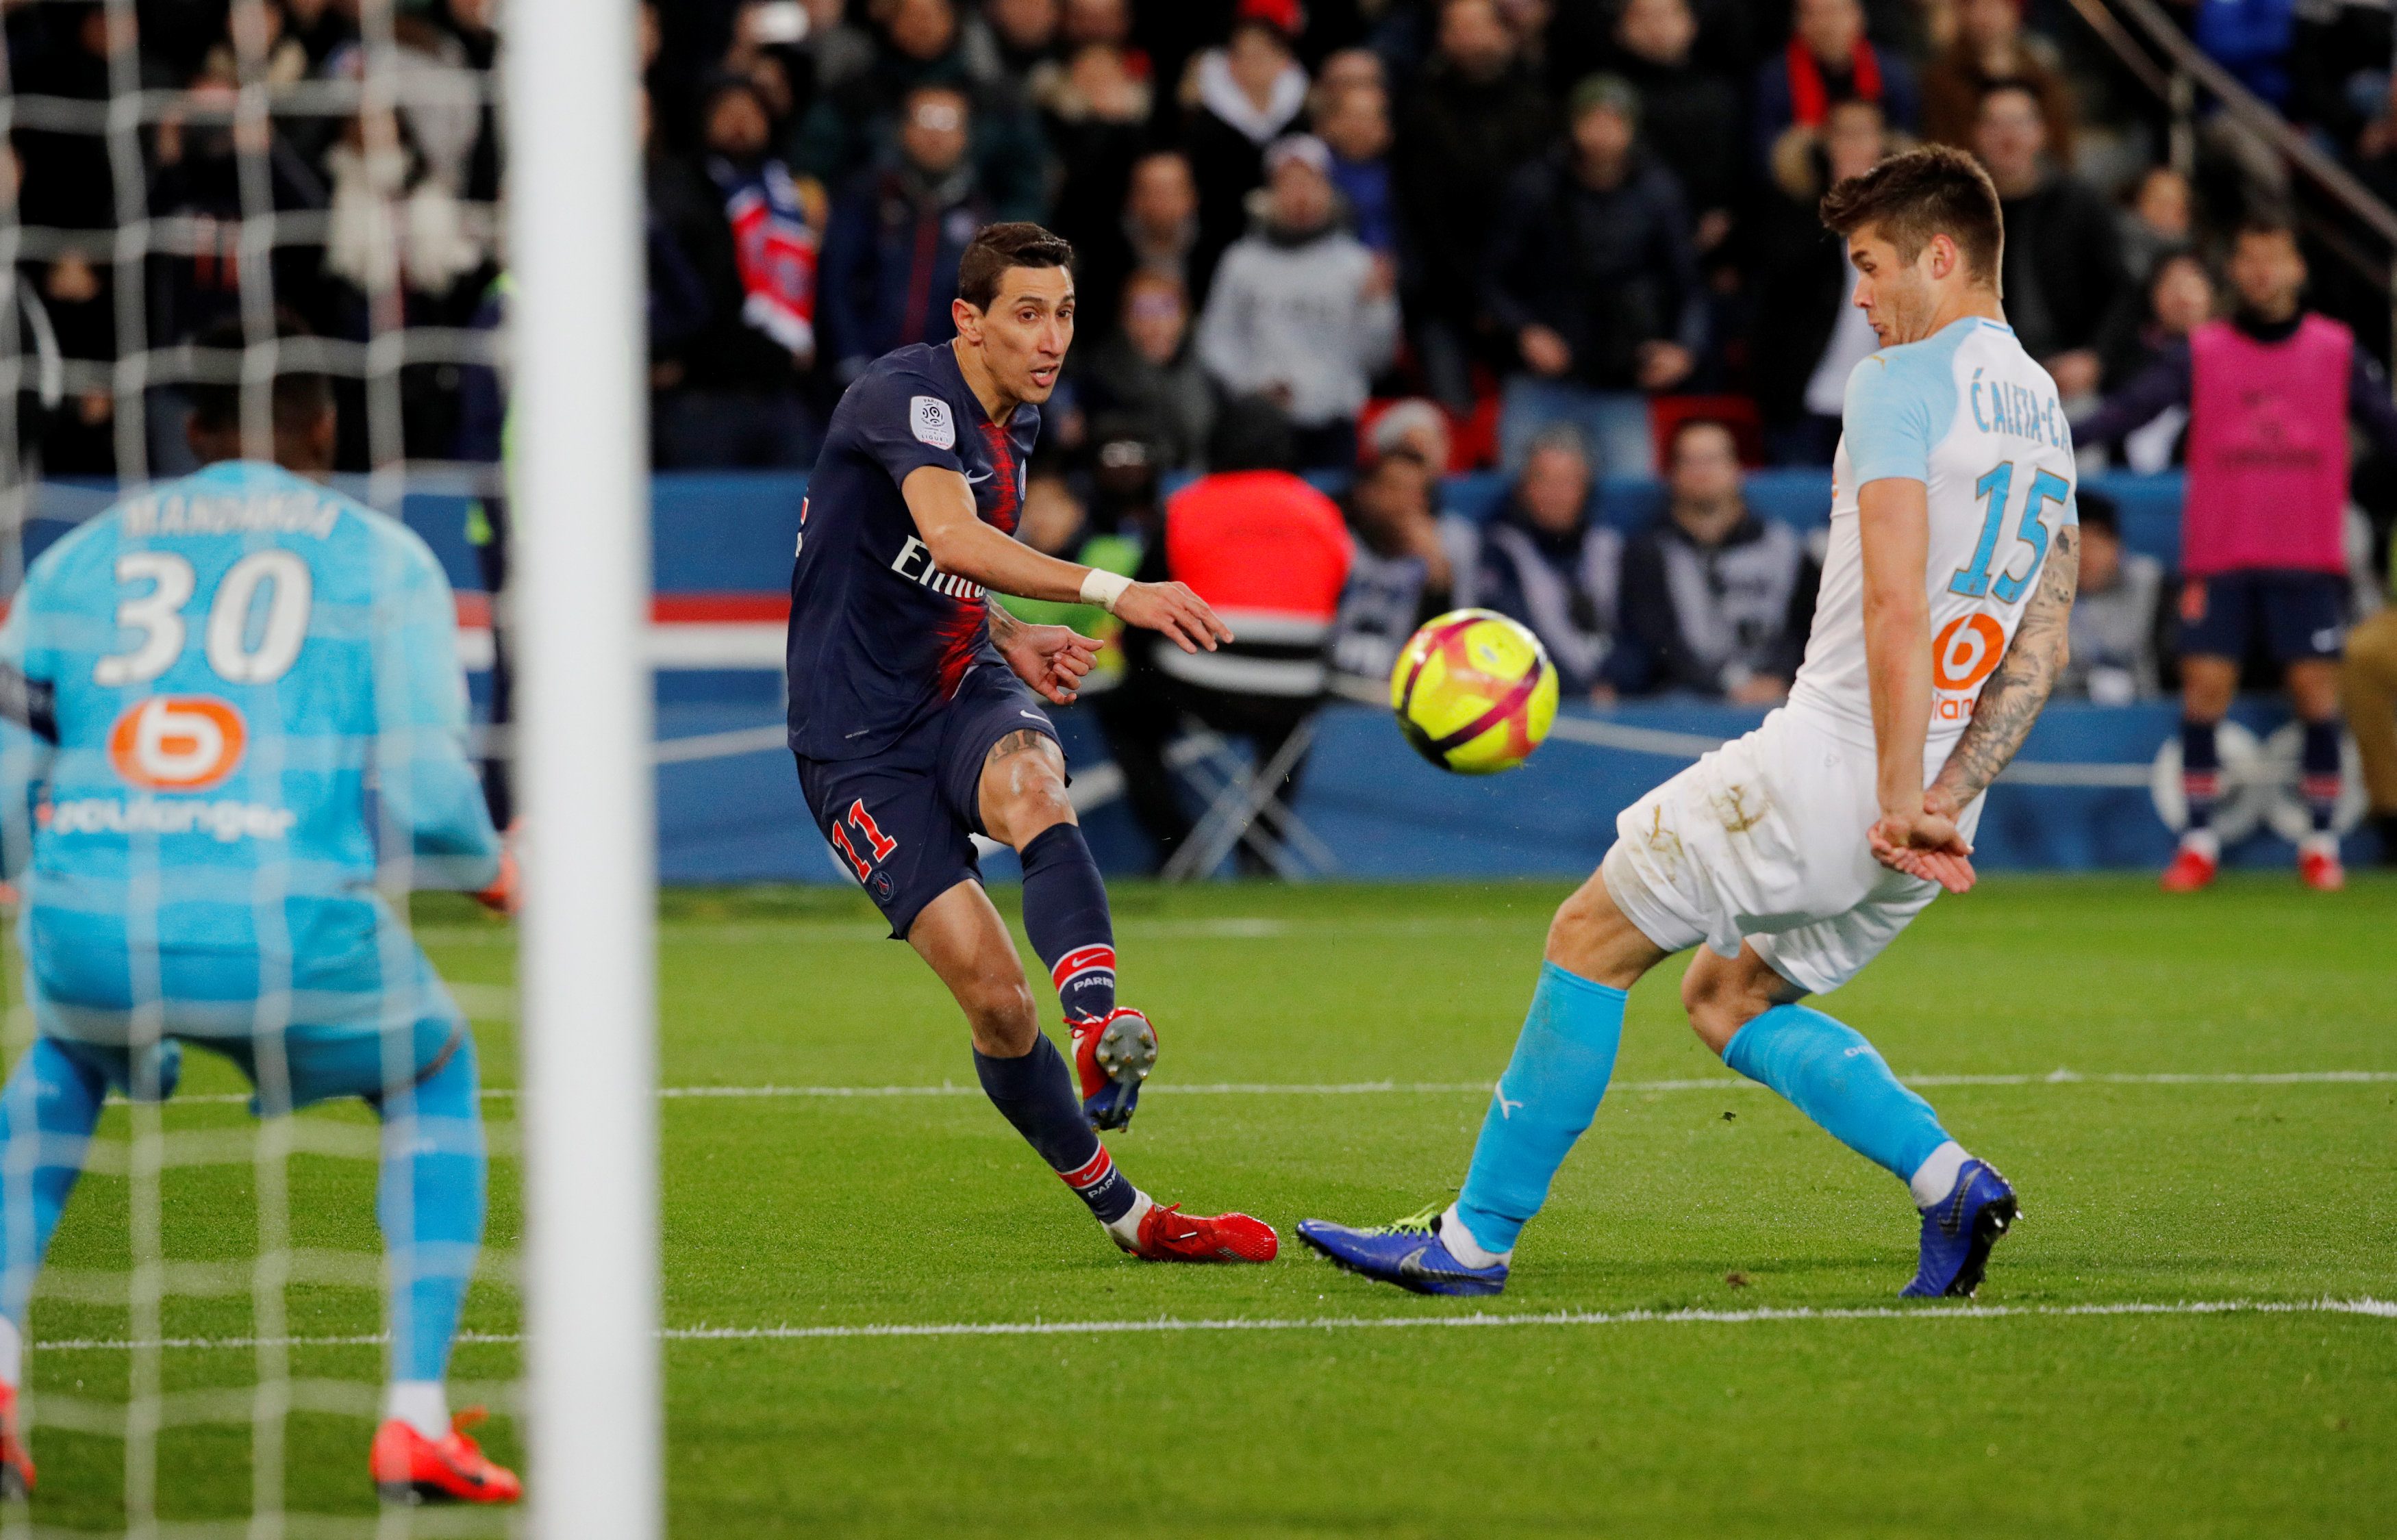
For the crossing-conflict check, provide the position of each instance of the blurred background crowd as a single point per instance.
(1374, 242)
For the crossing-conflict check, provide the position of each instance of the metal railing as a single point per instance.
(2158, 55)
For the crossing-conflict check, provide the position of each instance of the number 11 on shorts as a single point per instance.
(869, 834)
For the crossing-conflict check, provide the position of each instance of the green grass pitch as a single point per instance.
(1366, 1417)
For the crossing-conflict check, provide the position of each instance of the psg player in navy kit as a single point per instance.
(916, 720)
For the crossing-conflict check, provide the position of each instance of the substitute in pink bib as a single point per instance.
(2271, 393)
(2267, 451)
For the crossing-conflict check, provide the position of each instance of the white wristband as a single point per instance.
(1103, 588)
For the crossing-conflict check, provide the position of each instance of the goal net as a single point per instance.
(193, 210)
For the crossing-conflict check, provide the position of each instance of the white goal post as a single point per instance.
(580, 503)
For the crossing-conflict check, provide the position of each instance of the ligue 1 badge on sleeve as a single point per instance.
(930, 416)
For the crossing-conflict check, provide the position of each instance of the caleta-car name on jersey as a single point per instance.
(914, 562)
(2001, 405)
(182, 512)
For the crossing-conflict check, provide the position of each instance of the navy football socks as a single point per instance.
(1065, 914)
(2320, 769)
(2201, 772)
(1036, 1094)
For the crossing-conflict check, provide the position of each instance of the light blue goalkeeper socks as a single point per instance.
(1545, 1099)
(46, 1115)
(1829, 1073)
(431, 1202)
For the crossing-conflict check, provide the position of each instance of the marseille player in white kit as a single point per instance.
(1798, 853)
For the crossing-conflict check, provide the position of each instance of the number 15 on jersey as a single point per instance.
(1974, 579)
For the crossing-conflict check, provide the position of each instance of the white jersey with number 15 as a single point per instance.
(1968, 414)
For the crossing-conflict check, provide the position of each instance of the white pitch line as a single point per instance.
(2366, 1306)
(1441, 1087)
(1451, 1088)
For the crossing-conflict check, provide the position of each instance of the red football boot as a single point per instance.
(410, 1467)
(2319, 867)
(1169, 1235)
(1112, 1055)
(2192, 869)
(15, 1461)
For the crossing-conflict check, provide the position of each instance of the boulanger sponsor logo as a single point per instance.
(1965, 652)
(177, 743)
(174, 743)
(1967, 648)
(224, 819)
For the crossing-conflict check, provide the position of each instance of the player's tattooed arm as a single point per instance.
(2012, 699)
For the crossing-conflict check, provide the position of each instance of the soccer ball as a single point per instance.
(1474, 693)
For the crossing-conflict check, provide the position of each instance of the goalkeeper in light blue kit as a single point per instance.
(241, 721)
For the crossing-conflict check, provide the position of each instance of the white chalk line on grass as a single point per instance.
(2366, 1306)
(1458, 1088)
(1443, 1088)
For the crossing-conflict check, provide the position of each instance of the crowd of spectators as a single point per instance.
(1433, 236)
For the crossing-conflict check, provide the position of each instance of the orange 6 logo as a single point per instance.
(1965, 651)
(177, 743)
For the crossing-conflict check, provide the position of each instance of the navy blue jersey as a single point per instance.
(879, 636)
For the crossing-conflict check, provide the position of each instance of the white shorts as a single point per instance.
(1763, 839)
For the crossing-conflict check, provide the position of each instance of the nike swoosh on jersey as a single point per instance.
(973, 480)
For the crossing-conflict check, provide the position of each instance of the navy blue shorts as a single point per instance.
(2299, 615)
(902, 820)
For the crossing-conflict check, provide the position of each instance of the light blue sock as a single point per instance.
(46, 1115)
(431, 1205)
(1829, 1073)
(1545, 1099)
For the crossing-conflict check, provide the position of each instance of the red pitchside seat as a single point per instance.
(1666, 413)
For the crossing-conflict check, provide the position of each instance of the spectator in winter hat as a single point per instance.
(1300, 312)
(1591, 272)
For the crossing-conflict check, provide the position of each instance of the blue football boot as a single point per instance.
(1958, 1232)
(1408, 1253)
(1112, 1055)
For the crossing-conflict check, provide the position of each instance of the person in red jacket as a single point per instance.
(1270, 555)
